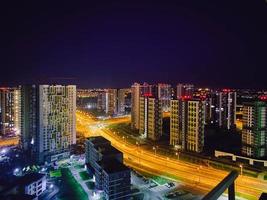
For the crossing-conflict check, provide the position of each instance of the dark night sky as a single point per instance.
(209, 43)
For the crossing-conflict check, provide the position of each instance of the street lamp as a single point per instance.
(123, 140)
(137, 144)
(241, 169)
(198, 169)
(155, 149)
(178, 155)
(3, 151)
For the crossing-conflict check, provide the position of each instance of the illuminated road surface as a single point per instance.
(195, 177)
(9, 141)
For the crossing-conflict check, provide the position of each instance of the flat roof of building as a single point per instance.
(19, 197)
(113, 166)
(98, 140)
(30, 178)
(109, 150)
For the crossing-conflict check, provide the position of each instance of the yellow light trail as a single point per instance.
(9, 141)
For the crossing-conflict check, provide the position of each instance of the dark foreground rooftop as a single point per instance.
(113, 166)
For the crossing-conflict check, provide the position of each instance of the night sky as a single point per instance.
(113, 44)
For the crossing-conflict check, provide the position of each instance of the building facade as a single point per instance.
(136, 93)
(48, 121)
(184, 90)
(138, 90)
(187, 123)
(150, 118)
(254, 132)
(106, 163)
(123, 96)
(116, 180)
(34, 184)
(102, 101)
(112, 104)
(107, 101)
(10, 111)
(164, 94)
(225, 109)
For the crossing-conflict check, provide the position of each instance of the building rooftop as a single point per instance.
(98, 140)
(113, 166)
(263, 196)
(108, 150)
(19, 197)
(29, 178)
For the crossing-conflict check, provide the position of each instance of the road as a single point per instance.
(9, 141)
(195, 177)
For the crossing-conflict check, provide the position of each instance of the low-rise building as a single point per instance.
(30, 186)
(106, 163)
(116, 180)
(33, 184)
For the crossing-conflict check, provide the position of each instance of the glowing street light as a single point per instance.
(16, 171)
(241, 169)
(155, 149)
(3, 151)
(198, 169)
(178, 155)
(137, 144)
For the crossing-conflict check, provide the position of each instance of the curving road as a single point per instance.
(197, 178)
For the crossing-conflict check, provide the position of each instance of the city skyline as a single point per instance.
(171, 42)
(123, 100)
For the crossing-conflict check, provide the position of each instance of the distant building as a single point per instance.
(184, 90)
(138, 90)
(223, 108)
(187, 124)
(112, 104)
(107, 101)
(48, 121)
(84, 93)
(150, 117)
(10, 111)
(164, 94)
(87, 98)
(106, 163)
(122, 100)
(254, 132)
(102, 100)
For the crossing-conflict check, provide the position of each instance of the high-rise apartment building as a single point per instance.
(122, 100)
(48, 121)
(10, 110)
(164, 94)
(29, 118)
(112, 104)
(138, 90)
(184, 90)
(254, 132)
(150, 121)
(107, 101)
(223, 108)
(102, 101)
(187, 124)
